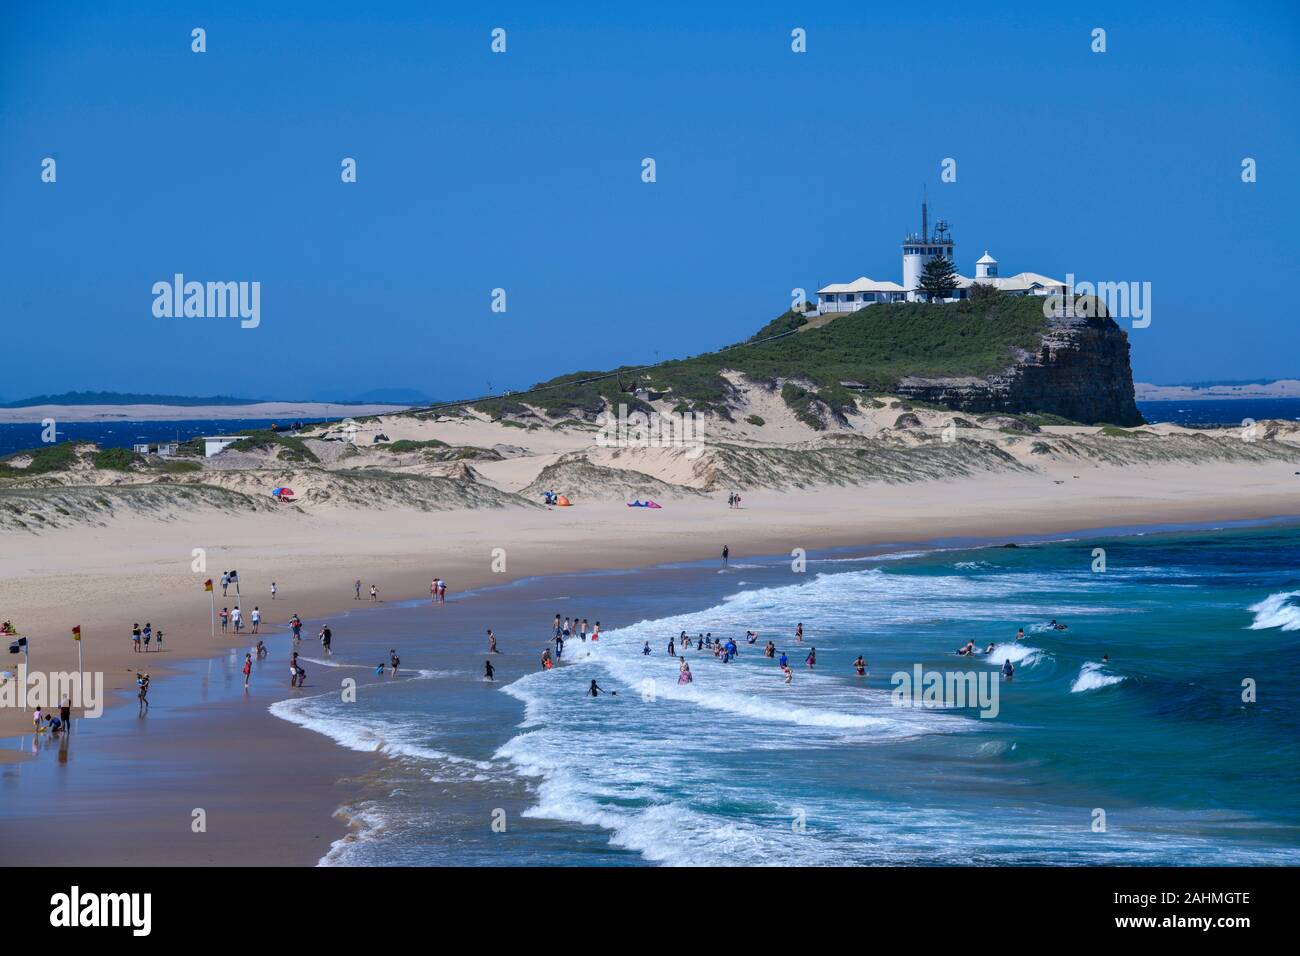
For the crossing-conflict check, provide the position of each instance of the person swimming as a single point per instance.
(968, 650)
(1008, 671)
(989, 649)
(1020, 634)
(595, 689)
(1057, 627)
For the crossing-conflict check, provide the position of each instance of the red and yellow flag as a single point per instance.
(76, 633)
(207, 585)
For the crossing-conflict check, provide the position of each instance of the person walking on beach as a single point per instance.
(726, 553)
(492, 642)
(237, 619)
(442, 591)
(357, 589)
(135, 636)
(225, 582)
(374, 594)
(294, 670)
(248, 669)
(295, 625)
(225, 618)
(142, 693)
(147, 633)
(273, 590)
(489, 670)
(393, 660)
(257, 617)
(325, 638)
(159, 636)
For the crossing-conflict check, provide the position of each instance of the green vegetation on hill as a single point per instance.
(47, 458)
(291, 449)
(875, 347)
(116, 459)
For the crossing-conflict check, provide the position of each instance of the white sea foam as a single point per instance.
(1093, 676)
(1018, 653)
(1279, 610)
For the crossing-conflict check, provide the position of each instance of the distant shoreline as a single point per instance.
(34, 414)
(1282, 388)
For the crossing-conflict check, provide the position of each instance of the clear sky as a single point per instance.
(522, 171)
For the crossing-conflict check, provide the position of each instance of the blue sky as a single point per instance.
(522, 171)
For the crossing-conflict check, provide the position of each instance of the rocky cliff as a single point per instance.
(1080, 371)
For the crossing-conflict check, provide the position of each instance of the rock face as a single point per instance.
(1080, 371)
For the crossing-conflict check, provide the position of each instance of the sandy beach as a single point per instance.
(137, 570)
(146, 565)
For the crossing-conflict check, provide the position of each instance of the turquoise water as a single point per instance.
(740, 768)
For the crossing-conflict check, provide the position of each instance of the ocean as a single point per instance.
(1225, 411)
(124, 434)
(1181, 748)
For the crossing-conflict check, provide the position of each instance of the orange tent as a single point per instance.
(563, 502)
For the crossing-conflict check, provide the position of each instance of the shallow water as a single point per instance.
(740, 768)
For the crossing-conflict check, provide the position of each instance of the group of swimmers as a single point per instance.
(563, 630)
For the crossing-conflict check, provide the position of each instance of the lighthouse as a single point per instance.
(986, 267)
(920, 248)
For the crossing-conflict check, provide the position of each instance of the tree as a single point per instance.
(983, 294)
(939, 278)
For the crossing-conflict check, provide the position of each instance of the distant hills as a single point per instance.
(376, 396)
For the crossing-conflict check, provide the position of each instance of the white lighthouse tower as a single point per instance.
(920, 248)
(986, 267)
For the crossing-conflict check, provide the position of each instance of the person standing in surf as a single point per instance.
(726, 553)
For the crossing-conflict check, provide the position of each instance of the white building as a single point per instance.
(214, 444)
(919, 249)
(861, 292)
